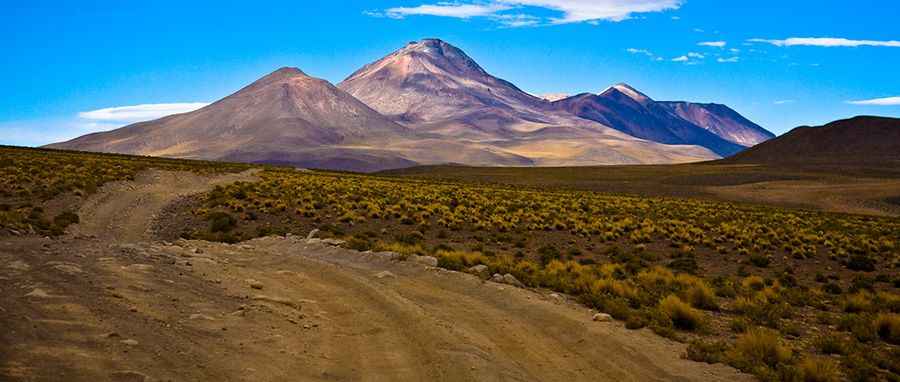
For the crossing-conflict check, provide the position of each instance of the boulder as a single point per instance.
(602, 317)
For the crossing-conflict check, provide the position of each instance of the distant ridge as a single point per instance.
(862, 139)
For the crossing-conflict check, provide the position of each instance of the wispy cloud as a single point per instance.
(715, 44)
(462, 11)
(784, 102)
(728, 60)
(828, 42)
(681, 59)
(695, 55)
(639, 51)
(887, 101)
(571, 11)
(138, 113)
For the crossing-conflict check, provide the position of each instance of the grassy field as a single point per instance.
(860, 189)
(785, 294)
(31, 178)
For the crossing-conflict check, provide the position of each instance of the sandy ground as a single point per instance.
(108, 302)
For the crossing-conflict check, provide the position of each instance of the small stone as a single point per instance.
(384, 275)
(602, 317)
(130, 342)
(312, 234)
(254, 284)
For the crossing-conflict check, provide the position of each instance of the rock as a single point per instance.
(130, 342)
(497, 278)
(430, 261)
(512, 280)
(18, 265)
(254, 284)
(312, 234)
(388, 255)
(70, 269)
(481, 271)
(334, 242)
(39, 293)
(557, 297)
(602, 317)
(384, 275)
(199, 316)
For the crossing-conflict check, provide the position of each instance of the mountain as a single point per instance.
(628, 110)
(436, 89)
(426, 103)
(284, 117)
(858, 140)
(720, 120)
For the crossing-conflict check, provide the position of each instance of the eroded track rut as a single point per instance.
(108, 302)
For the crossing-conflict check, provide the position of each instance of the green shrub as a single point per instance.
(220, 222)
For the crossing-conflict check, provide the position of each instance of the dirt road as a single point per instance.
(108, 302)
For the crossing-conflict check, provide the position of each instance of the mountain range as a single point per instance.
(430, 103)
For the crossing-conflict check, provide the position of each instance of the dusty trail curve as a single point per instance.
(108, 302)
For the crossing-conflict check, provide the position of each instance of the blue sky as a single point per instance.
(70, 68)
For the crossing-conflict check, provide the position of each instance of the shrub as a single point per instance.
(66, 218)
(701, 296)
(833, 288)
(832, 344)
(887, 326)
(860, 262)
(220, 221)
(761, 261)
(856, 303)
(682, 315)
(708, 352)
(755, 283)
(817, 369)
(756, 348)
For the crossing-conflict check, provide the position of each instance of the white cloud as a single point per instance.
(681, 59)
(676, 18)
(888, 101)
(698, 30)
(590, 10)
(695, 55)
(826, 42)
(730, 59)
(640, 51)
(572, 11)
(462, 11)
(784, 102)
(715, 44)
(138, 113)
